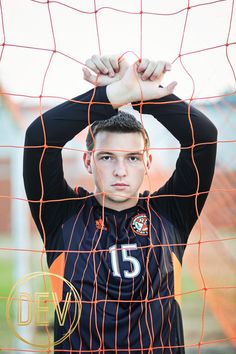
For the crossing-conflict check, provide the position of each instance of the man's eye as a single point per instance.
(134, 158)
(106, 158)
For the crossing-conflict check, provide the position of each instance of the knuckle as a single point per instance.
(113, 61)
(104, 58)
(153, 64)
(144, 62)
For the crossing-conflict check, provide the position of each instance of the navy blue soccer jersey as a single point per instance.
(124, 264)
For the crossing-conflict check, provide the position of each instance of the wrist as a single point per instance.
(118, 94)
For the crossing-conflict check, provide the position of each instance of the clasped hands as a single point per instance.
(139, 81)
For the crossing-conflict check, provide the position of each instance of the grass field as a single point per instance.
(192, 308)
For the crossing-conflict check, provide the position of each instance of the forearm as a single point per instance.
(66, 120)
(61, 124)
(196, 133)
(178, 117)
(118, 94)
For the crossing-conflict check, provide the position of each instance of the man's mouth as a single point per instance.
(120, 186)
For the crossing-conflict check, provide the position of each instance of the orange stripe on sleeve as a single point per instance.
(177, 277)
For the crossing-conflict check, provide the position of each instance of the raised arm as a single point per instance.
(61, 124)
(195, 165)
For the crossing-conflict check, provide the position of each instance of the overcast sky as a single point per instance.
(27, 23)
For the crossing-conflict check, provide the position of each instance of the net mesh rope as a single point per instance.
(213, 296)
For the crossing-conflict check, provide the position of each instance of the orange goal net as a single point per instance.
(43, 48)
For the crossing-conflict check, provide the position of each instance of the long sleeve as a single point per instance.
(61, 124)
(183, 183)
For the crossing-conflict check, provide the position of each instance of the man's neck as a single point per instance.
(116, 205)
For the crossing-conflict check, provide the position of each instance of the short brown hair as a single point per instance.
(122, 122)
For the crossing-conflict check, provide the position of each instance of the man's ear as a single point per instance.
(87, 161)
(149, 161)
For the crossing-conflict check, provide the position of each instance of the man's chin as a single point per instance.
(121, 198)
(117, 201)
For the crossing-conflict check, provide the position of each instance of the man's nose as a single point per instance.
(120, 169)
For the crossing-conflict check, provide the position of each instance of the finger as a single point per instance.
(106, 62)
(115, 63)
(89, 63)
(159, 70)
(167, 67)
(149, 70)
(97, 60)
(89, 77)
(142, 65)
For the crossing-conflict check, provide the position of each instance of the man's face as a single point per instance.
(118, 165)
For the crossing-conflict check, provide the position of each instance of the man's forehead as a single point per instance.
(115, 141)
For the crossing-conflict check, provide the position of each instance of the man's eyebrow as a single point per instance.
(104, 153)
(112, 153)
(136, 153)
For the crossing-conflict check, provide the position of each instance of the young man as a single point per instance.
(122, 250)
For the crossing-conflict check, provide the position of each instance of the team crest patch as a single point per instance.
(100, 225)
(139, 224)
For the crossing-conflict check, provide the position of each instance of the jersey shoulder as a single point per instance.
(80, 191)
